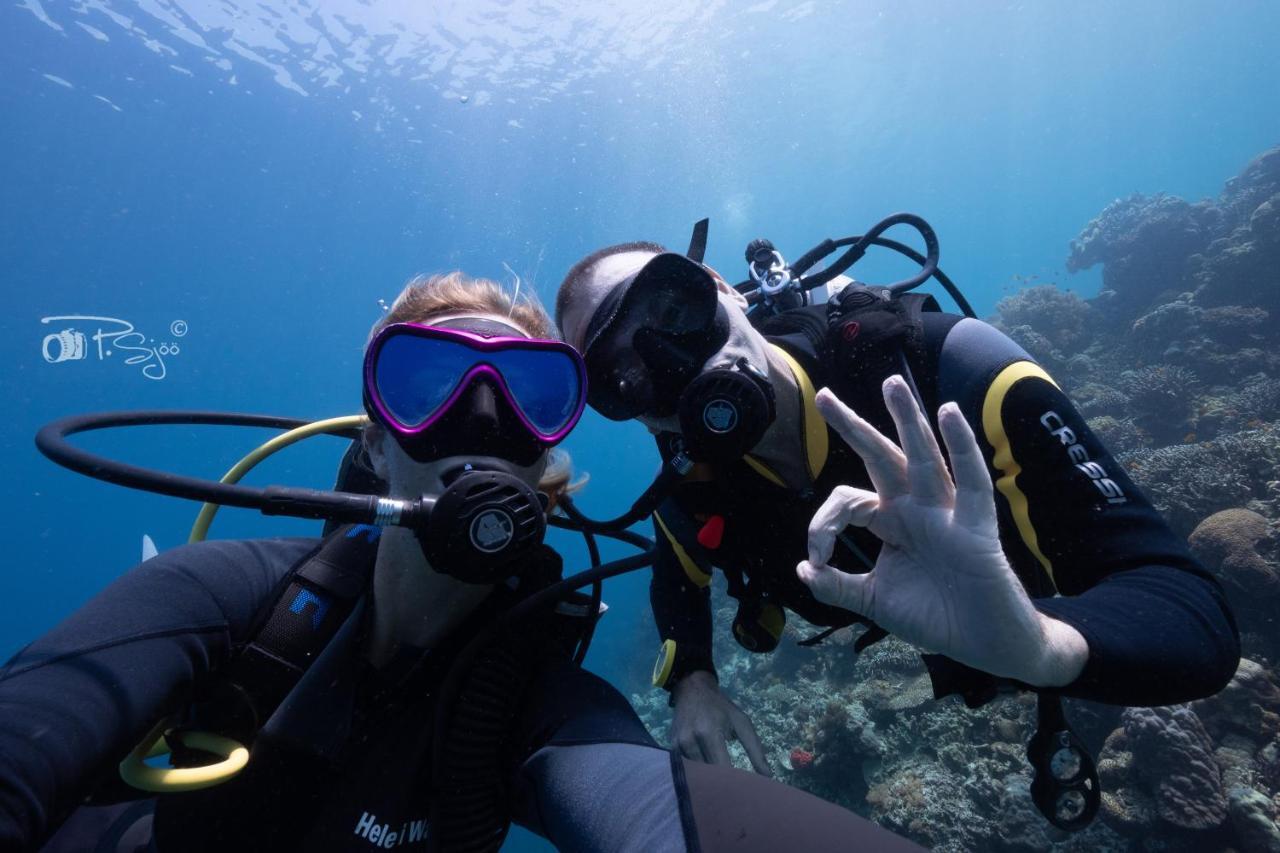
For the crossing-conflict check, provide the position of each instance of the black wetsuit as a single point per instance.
(345, 762)
(1071, 521)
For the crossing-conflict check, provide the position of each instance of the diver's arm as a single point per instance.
(705, 719)
(589, 777)
(680, 594)
(1157, 625)
(75, 701)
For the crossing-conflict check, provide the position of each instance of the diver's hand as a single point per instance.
(705, 720)
(942, 581)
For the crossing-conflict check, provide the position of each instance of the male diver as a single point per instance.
(389, 695)
(815, 480)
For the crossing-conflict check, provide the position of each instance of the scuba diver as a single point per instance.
(410, 681)
(808, 465)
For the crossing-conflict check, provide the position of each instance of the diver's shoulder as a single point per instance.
(970, 355)
(970, 339)
(240, 559)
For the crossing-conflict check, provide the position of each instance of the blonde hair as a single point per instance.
(429, 296)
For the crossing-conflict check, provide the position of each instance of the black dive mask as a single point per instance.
(725, 411)
(650, 338)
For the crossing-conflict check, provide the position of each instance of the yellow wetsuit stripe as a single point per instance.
(993, 427)
(815, 428)
(816, 447)
(691, 568)
(764, 470)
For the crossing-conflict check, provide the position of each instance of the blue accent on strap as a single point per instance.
(305, 597)
(369, 531)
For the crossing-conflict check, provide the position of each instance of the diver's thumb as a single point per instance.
(832, 586)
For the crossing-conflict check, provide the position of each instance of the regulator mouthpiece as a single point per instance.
(481, 526)
(725, 412)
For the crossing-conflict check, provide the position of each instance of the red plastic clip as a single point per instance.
(712, 533)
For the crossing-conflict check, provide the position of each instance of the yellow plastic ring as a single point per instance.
(663, 665)
(136, 772)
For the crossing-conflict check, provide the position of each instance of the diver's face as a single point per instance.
(481, 421)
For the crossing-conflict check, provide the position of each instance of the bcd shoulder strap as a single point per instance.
(315, 599)
(873, 334)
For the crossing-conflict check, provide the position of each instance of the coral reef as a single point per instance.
(1131, 238)
(1223, 252)
(1248, 708)
(1190, 481)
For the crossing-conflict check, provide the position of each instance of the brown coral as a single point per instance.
(1227, 543)
(1174, 761)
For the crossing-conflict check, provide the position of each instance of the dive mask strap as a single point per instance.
(698, 241)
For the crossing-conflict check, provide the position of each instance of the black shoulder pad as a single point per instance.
(805, 328)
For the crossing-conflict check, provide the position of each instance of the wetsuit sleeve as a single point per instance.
(1072, 522)
(680, 593)
(74, 702)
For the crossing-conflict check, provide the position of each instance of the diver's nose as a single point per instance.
(482, 409)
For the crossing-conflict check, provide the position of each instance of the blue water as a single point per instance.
(265, 173)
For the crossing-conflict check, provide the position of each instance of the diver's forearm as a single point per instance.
(1156, 636)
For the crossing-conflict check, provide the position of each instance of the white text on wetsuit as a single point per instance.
(1097, 475)
(381, 834)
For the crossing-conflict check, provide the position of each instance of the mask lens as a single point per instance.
(675, 299)
(414, 376)
(545, 385)
(606, 395)
(666, 326)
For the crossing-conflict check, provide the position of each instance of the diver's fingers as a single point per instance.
(886, 464)
(844, 506)
(975, 505)
(687, 745)
(840, 589)
(714, 748)
(746, 733)
(926, 471)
